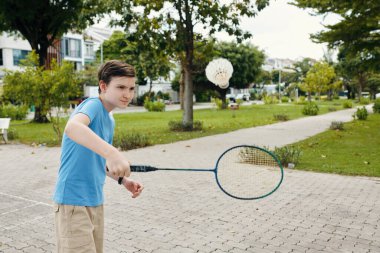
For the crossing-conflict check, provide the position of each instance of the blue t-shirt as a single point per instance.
(82, 172)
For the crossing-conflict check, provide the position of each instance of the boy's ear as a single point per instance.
(102, 86)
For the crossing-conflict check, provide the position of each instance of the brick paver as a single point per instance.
(186, 212)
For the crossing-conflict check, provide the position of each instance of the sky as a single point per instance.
(283, 31)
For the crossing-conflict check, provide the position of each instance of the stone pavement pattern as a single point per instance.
(186, 211)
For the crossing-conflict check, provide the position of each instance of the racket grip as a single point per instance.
(120, 180)
(141, 168)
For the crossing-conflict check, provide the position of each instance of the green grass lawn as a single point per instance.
(154, 125)
(352, 151)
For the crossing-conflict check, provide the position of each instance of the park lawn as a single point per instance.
(154, 125)
(352, 151)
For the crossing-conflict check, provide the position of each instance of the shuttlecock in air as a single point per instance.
(219, 72)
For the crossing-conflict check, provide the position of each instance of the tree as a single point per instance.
(320, 78)
(41, 23)
(171, 24)
(150, 62)
(45, 88)
(354, 71)
(357, 31)
(245, 58)
(374, 85)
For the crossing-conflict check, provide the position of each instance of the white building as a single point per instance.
(72, 47)
(12, 50)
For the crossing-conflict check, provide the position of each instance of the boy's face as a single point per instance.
(118, 93)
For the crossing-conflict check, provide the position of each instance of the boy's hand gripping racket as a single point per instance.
(242, 172)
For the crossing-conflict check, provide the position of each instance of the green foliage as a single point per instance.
(357, 29)
(150, 61)
(361, 114)
(320, 78)
(311, 109)
(154, 106)
(364, 101)
(172, 29)
(43, 88)
(271, 99)
(288, 154)
(43, 22)
(376, 106)
(128, 141)
(301, 100)
(14, 112)
(347, 104)
(218, 103)
(12, 134)
(246, 60)
(281, 117)
(337, 125)
(179, 126)
(332, 109)
(285, 99)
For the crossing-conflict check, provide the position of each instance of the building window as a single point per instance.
(1, 57)
(89, 53)
(19, 55)
(72, 47)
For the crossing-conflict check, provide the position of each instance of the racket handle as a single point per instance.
(142, 168)
(120, 180)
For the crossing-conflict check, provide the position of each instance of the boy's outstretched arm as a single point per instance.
(77, 129)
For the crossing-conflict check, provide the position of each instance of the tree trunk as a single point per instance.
(223, 93)
(41, 50)
(182, 87)
(187, 119)
(39, 116)
(361, 83)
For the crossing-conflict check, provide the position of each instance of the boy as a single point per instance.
(87, 157)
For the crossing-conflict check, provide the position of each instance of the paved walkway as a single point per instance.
(186, 212)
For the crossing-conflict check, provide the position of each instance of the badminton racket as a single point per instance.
(242, 172)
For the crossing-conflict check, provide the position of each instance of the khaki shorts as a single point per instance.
(79, 228)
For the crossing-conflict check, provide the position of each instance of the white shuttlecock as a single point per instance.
(219, 72)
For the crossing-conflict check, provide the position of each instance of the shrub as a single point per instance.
(285, 99)
(178, 126)
(337, 125)
(301, 100)
(336, 96)
(141, 99)
(364, 101)
(239, 101)
(281, 117)
(310, 109)
(376, 106)
(288, 154)
(347, 104)
(270, 100)
(218, 103)
(14, 112)
(361, 113)
(154, 106)
(331, 109)
(12, 134)
(128, 141)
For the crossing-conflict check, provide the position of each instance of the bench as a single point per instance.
(4, 125)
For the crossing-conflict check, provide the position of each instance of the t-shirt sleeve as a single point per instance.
(91, 108)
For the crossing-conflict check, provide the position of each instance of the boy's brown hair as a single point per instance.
(114, 68)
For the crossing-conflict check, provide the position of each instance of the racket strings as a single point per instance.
(248, 172)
